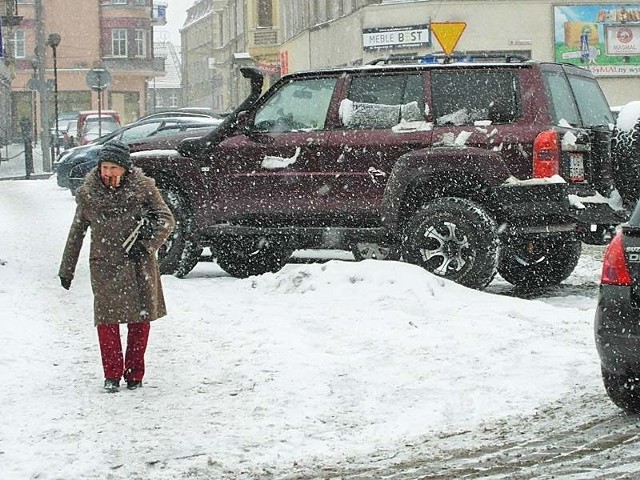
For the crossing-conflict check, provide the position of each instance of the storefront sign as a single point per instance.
(396, 37)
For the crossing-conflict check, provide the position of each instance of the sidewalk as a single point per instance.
(12, 163)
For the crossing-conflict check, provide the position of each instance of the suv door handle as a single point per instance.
(258, 137)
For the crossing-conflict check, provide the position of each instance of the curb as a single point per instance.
(33, 176)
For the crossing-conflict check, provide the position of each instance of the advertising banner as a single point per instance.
(603, 38)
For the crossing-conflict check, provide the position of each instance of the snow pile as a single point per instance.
(376, 115)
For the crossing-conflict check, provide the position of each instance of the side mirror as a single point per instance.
(244, 126)
(242, 121)
(190, 147)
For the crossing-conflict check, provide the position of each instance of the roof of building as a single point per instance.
(197, 11)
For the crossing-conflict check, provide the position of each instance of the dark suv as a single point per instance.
(464, 168)
(617, 331)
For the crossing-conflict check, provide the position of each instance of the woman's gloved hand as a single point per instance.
(137, 251)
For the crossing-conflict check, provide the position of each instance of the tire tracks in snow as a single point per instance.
(583, 437)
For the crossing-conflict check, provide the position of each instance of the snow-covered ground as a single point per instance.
(319, 366)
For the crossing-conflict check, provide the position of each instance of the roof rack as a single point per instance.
(454, 57)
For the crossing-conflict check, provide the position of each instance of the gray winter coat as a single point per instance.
(125, 290)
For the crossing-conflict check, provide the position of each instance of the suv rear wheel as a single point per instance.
(178, 255)
(539, 262)
(246, 256)
(454, 238)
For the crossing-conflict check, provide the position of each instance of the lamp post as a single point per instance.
(34, 99)
(53, 41)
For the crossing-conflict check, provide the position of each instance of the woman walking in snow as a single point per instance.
(129, 222)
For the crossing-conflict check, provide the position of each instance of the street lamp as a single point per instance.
(34, 98)
(53, 41)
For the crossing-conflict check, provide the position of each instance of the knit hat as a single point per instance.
(117, 152)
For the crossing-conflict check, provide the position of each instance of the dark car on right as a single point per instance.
(617, 319)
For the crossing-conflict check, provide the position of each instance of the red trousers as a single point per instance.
(132, 368)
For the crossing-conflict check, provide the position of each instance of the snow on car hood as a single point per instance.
(156, 153)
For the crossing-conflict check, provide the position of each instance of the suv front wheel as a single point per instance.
(179, 254)
(453, 238)
(246, 256)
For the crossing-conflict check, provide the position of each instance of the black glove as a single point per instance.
(65, 282)
(137, 251)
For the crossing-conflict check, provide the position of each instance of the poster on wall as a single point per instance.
(603, 38)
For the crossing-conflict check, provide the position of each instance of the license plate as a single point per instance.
(576, 167)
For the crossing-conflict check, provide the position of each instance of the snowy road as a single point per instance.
(341, 370)
(582, 436)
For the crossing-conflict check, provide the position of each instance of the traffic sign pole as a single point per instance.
(98, 79)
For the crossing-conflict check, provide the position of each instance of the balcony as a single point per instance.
(159, 14)
(151, 65)
(11, 17)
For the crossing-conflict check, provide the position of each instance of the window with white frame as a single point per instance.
(119, 2)
(19, 44)
(119, 42)
(173, 98)
(141, 43)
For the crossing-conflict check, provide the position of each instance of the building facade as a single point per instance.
(221, 35)
(165, 92)
(115, 35)
(218, 37)
(10, 19)
(552, 32)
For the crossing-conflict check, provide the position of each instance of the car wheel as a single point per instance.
(623, 390)
(625, 151)
(179, 254)
(246, 256)
(375, 251)
(453, 238)
(538, 262)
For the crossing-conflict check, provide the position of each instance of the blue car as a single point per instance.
(165, 139)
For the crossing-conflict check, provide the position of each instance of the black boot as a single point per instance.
(133, 384)
(111, 386)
